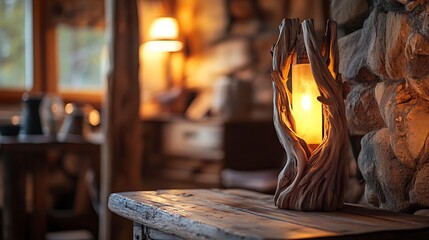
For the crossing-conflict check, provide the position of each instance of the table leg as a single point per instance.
(14, 197)
(151, 233)
(137, 231)
(39, 170)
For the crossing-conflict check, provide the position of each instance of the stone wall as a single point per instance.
(386, 64)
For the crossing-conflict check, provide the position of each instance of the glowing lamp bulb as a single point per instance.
(307, 110)
(306, 102)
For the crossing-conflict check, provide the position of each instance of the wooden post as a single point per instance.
(14, 199)
(40, 176)
(121, 152)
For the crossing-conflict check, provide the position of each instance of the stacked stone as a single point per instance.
(386, 64)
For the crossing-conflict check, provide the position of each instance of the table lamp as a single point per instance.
(164, 37)
(312, 179)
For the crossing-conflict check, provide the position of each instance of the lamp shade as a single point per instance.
(306, 109)
(164, 35)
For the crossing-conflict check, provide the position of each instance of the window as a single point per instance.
(15, 45)
(80, 58)
(67, 56)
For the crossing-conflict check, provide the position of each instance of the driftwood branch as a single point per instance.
(310, 181)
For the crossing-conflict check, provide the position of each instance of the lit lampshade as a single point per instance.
(164, 36)
(307, 110)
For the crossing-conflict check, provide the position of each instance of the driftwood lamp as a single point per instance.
(316, 171)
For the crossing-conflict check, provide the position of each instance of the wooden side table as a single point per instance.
(30, 156)
(241, 214)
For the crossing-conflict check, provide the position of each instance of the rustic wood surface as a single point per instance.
(241, 214)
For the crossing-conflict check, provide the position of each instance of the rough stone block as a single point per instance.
(351, 57)
(349, 13)
(406, 116)
(419, 194)
(363, 115)
(394, 160)
(365, 48)
(417, 70)
(390, 5)
(397, 30)
(375, 30)
(389, 183)
(386, 178)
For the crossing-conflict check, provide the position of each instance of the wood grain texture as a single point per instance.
(310, 180)
(121, 151)
(241, 214)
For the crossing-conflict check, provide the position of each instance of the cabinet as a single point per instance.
(183, 153)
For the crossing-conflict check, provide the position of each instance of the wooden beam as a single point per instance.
(121, 152)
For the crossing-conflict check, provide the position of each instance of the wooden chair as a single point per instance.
(80, 221)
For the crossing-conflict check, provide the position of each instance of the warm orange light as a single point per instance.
(164, 28)
(69, 108)
(307, 110)
(163, 46)
(15, 120)
(164, 35)
(94, 117)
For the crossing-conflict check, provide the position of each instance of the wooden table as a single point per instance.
(20, 157)
(241, 214)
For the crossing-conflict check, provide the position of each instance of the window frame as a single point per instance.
(44, 60)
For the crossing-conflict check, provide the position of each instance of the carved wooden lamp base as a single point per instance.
(310, 180)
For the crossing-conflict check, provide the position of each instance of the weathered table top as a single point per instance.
(240, 214)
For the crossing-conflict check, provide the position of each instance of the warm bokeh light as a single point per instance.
(164, 28)
(307, 110)
(164, 36)
(163, 46)
(94, 117)
(15, 120)
(152, 73)
(69, 108)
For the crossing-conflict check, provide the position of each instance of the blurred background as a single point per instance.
(202, 90)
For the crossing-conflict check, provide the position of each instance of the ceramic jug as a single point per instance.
(31, 124)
